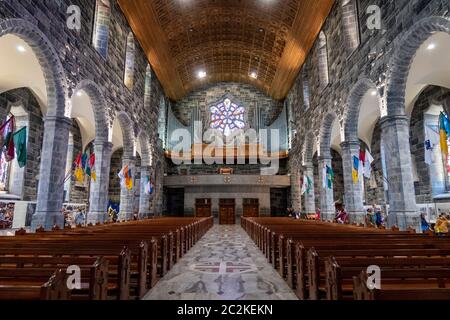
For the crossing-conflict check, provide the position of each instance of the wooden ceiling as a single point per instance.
(228, 39)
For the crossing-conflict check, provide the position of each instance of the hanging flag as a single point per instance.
(77, 162)
(152, 186)
(20, 142)
(306, 185)
(8, 144)
(362, 161)
(431, 141)
(126, 179)
(4, 131)
(330, 177)
(324, 177)
(368, 165)
(443, 126)
(147, 186)
(84, 161)
(355, 170)
(93, 174)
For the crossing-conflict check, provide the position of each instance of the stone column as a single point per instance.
(402, 199)
(327, 209)
(296, 200)
(98, 198)
(51, 173)
(353, 192)
(310, 199)
(144, 199)
(127, 196)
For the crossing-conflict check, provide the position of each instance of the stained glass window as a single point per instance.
(227, 117)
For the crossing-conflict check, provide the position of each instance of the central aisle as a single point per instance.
(224, 265)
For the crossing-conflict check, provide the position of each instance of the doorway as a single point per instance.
(227, 211)
(251, 208)
(203, 208)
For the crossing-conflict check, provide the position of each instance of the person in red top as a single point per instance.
(342, 216)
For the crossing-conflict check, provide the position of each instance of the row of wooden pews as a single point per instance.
(116, 261)
(326, 261)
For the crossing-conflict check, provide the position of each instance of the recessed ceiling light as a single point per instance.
(374, 92)
(254, 75)
(201, 74)
(79, 93)
(21, 48)
(431, 46)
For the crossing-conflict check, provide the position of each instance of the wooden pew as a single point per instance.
(392, 293)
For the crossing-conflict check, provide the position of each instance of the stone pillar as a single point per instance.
(310, 199)
(51, 173)
(144, 199)
(353, 192)
(296, 200)
(127, 196)
(98, 198)
(402, 199)
(327, 209)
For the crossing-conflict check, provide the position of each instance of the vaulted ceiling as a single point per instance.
(228, 39)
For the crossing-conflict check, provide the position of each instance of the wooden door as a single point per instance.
(251, 208)
(227, 211)
(203, 208)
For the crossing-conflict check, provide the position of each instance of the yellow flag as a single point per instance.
(79, 174)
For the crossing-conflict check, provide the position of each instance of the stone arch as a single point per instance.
(128, 134)
(326, 128)
(99, 107)
(353, 107)
(146, 153)
(55, 79)
(400, 63)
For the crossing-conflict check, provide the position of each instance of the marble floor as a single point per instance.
(224, 265)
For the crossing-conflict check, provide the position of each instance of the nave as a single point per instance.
(224, 265)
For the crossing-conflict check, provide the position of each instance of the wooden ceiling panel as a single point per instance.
(229, 39)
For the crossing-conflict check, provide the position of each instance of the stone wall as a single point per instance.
(114, 181)
(244, 94)
(423, 182)
(374, 188)
(26, 98)
(200, 169)
(82, 61)
(78, 192)
(370, 59)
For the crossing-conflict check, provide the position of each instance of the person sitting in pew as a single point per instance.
(342, 216)
(441, 227)
(425, 226)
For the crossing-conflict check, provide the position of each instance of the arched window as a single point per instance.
(306, 94)
(350, 24)
(148, 86)
(323, 61)
(129, 62)
(100, 35)
(162, 122)
(227, 117)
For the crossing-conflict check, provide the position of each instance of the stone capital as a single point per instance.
(58, 119)
(350, 144)
(394, 120)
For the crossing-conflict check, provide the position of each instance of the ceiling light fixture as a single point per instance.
(79, 93)
(21, 49)
(374, 92)
(431, 46)
(201, 74)
(254, 75)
